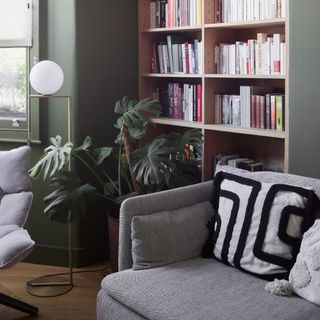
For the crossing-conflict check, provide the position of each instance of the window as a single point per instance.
(18, 42)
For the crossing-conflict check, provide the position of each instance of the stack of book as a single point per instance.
(237, 161)
(180, 101)
(175, 13)
(254, 108)
(176, 56)
(248, 10)
(265, 55)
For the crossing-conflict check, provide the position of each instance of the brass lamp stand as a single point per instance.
(55, 285)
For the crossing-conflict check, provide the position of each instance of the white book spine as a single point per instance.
(200, 62)
(232, 59)
(190, 50)
(217, 59)
(276, 61)
(185, 101)
(283, 9)
(283, 58)
(184, 62)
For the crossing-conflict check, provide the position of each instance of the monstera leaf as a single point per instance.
(69, 200)
(101, 154)
(152, 162)
(54, 160)
(136, 114)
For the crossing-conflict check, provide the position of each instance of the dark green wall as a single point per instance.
(95, 42)
(304, 106)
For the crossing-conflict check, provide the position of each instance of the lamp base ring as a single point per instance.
(49, 286)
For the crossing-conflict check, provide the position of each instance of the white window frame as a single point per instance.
(21, 130)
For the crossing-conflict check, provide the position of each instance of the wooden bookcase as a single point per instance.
(268, 146)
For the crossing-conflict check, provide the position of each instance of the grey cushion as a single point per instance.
(14, 208)
(157, 238)
(14, 165)
(202, 289)
(15, 244)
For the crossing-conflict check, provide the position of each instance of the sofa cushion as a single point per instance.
(202, 289)
(305, 274)
(157, 238)
(259, 225)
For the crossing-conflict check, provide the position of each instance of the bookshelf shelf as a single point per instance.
(174, 29)
(240, 76)
(177, 123)
(263, 145)
(247, 24)
(248, 131)
(170, 75)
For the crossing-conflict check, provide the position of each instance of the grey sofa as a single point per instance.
(194, 289)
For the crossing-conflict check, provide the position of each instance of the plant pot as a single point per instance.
(113, 234)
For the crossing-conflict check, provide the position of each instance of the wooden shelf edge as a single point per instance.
(171, 75)
(177, 122)
(242, 76)
(173, 29)
(247, 24)
(249, 131)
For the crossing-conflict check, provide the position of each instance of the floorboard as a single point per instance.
(78, 304)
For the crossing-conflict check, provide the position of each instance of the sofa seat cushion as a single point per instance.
(202, 289)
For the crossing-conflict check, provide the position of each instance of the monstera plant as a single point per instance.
(142, 168)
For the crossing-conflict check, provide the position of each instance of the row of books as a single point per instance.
(180, 101)
(249, 10)
(265, 55)
(262, 111)
(175, 13)
(236, 161)
(176, 56)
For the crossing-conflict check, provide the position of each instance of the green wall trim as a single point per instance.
(58, 256)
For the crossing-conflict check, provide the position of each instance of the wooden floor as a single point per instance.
(78, 304)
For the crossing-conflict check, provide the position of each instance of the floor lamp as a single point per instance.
(46, 77)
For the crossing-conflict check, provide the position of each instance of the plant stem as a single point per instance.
(105, 174)
(89, 167)
(119, 166)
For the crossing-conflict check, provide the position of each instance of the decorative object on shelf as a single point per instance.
(46, 77)
(157, 165)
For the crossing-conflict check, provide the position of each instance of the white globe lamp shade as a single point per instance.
(46, 77)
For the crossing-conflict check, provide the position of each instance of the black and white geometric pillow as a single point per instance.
(258, 226)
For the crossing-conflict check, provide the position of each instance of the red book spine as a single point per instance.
(253, 111)
(199, 102)
(276, 66)
(186, 47)
(169, 13)
(258, 111)
(262, 112)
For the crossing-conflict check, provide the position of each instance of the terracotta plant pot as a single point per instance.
(113, 234)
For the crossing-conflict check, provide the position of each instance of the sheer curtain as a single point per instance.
(15, 23)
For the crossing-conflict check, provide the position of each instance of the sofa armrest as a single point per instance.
(156, 202)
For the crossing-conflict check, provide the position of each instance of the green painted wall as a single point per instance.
(304, 106)
(95, 42)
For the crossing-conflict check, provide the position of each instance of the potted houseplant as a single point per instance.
(151, 167)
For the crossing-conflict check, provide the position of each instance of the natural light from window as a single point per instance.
(13, 83)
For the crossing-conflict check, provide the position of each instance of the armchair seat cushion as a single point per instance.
(15, 244)
(201, 289)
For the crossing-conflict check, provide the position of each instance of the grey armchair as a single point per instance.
(15, 202)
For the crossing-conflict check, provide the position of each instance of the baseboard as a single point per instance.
(58, 256)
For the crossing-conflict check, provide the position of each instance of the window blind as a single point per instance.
(15, 23)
